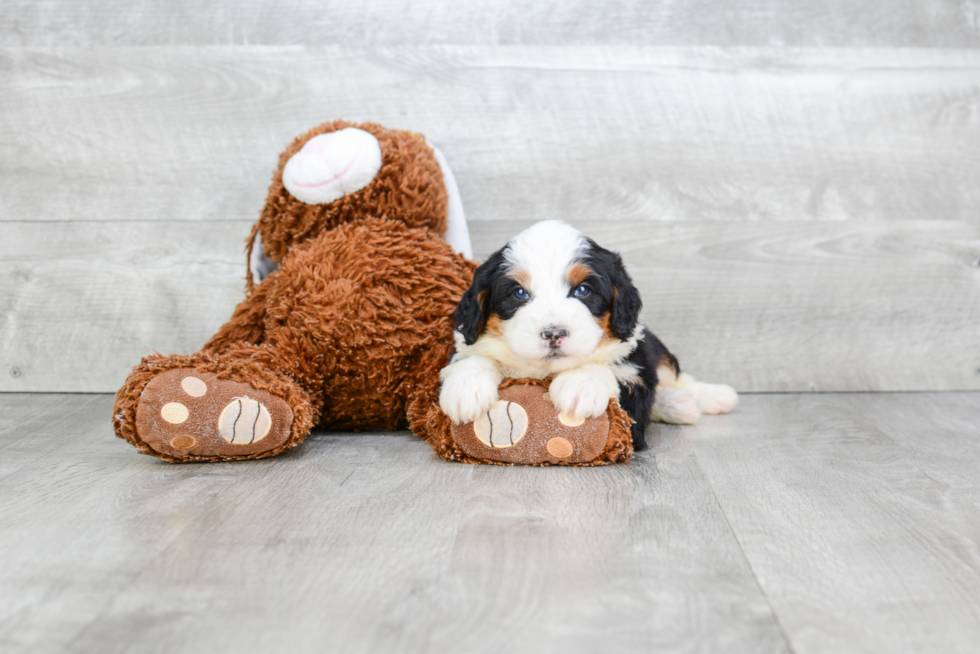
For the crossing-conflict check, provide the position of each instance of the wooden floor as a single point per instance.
(799, 523)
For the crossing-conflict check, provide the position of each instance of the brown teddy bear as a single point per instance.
(346, 322)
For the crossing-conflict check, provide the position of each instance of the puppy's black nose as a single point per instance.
(554, 335)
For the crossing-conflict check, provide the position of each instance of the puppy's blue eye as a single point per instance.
(582, 291)
(521, 294)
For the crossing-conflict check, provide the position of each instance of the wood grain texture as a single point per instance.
(855, 515)
(930, 23)
(81, 303)
(363, 543)
(799, 523)
(942, 438)
(765, 307)
(611, 132)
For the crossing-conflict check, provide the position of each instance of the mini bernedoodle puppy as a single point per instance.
(553, 303)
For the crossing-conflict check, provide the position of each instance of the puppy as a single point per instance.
(553, 303)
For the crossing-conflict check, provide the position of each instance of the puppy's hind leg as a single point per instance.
(675, 406)
(711, 398)
(681, 400)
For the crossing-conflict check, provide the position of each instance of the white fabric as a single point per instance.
(457, 232)
(260, 265)
(330, 166)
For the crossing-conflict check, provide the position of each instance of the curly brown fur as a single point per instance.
(356, 322)
(408, 188)
(361, 316)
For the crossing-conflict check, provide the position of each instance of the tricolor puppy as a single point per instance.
(553, 303)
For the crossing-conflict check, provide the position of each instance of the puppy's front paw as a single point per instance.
(580, 394)
(464, 397)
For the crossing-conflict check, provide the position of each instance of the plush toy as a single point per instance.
(523, 427)
(356, 265)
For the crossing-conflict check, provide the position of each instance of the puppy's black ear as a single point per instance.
(625, 301)
(626, 304)
(474, 308)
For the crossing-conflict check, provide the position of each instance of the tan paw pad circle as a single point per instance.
(560, 448)
(244, 421)
(503, 425)
(194, 386)
(183, 442)
(174, 413)
(570, 421)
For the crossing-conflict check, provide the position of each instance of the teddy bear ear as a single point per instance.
(331, 165)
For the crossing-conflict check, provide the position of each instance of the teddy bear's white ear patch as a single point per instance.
(331, 165)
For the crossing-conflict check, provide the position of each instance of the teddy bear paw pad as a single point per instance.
(503, 425)
(186, 413)
(524, 427)
(244, 421)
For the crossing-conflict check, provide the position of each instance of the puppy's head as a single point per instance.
(551, 298)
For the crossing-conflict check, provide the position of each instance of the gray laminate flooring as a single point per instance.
(799, 523)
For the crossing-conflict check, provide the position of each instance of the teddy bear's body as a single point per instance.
(351, 330)
(360, 315)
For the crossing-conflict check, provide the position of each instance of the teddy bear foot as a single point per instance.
(186, 414)
(524, 427)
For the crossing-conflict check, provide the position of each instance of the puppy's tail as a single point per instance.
(681, 400)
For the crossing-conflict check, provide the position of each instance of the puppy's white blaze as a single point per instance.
(548, 248)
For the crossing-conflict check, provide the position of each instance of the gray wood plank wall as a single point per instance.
(794, 185)
(919, 23)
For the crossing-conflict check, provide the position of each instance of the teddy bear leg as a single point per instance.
(207, 407)
(357, 321)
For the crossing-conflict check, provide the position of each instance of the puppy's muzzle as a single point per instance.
(555, 336)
